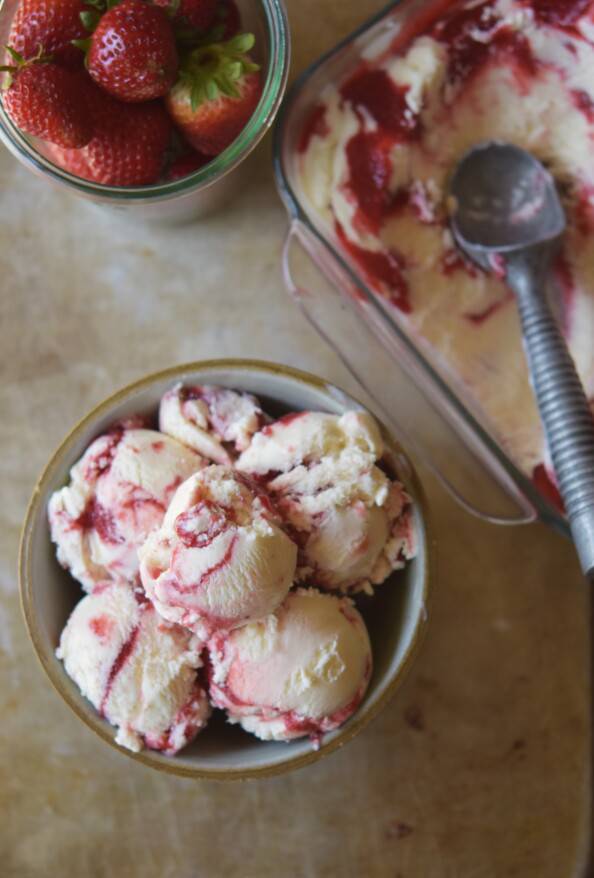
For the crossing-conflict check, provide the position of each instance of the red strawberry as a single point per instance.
(49, 25)
(49, 102)
(129, 145)
(186, 164)
(72, 160)
(217, 92)
(198, 14)
(132, 54)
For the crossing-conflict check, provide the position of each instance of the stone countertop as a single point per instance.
(479, 766)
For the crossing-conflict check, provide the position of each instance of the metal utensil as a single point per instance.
(507, 217)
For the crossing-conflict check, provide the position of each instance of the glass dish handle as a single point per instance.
(338, 315)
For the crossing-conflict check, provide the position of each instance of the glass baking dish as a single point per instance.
(431, 416)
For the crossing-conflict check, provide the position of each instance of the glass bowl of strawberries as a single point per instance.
(148, 106)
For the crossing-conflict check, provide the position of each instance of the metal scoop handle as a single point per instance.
(564, 408)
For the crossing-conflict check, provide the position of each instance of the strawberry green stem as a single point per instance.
(216, 69)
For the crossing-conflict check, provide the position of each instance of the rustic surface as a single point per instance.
(477, 769)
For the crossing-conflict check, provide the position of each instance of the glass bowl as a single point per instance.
(396, 615)
(205, 189)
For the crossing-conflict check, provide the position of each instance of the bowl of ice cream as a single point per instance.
(225, 568)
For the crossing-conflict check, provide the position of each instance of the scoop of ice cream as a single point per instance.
(118, 493)
(352, 522)
(214, 421)
(305, 437)
(138, 671)
(220, 558)
(302, 670)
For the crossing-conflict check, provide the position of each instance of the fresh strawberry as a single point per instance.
(47, 101)
(197, 14)
(48, 26)
(132, 52)
(218, 90)
(130, 150)
(72, 160)
(186, 164)
(129, 145)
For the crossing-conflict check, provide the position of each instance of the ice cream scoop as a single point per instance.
(215, 421)
(306, 437)
(303, 670)
(139, 671)
(508, 218)
(118, 492)
(220, 558)
(352, 521)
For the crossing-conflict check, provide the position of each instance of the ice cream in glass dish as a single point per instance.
(375, 158)
(222, 556)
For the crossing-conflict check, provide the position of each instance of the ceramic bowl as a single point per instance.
(396, 615)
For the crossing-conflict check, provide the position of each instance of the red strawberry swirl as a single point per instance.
(200, 525)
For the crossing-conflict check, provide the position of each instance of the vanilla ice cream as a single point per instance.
(117, 494)
(139, 671)
(352, 522)
(220, 558)
(376, 156)
(302, 670)
(215, 421)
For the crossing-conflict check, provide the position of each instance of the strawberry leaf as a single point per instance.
(228, 89)
(240, 44)
(16, 57)
(212, 90)
(196, 95)
(83, 45)
(90, 19)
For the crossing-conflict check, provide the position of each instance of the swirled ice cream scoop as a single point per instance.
(220, 558)
(136, 669)
(215, 421)
(302, 670)
(352, 521)
(306, 437)
(117, 494)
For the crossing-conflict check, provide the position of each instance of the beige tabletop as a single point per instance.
(479, 766)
